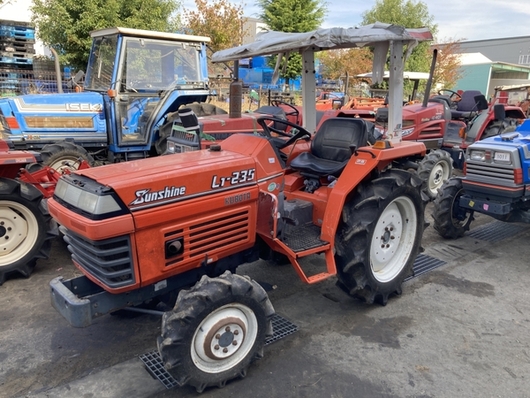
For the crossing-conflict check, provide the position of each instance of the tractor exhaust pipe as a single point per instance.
(429, 81)
(58, 75)
(236, 94)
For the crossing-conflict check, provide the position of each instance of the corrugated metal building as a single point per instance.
(487, 64)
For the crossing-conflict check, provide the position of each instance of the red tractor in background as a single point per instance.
(447, 123)
(517, 95)
(26, 226)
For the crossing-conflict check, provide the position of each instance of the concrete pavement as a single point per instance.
(460, 330)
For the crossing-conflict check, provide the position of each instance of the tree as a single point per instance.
(220, 20)
(337, 63)
(409, 14)
(292, 16)
(447, 71)
(65, 25)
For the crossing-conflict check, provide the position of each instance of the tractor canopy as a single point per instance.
(382, 37)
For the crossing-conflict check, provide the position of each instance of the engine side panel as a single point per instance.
(45, 118)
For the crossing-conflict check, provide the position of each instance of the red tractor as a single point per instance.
(26, 227)
(447, 125)
(180, 225)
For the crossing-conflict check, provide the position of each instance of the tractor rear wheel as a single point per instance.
(450, 220)
(65, 155)
(217, 328)
(26, 228)
(379, 236)
(435, 168)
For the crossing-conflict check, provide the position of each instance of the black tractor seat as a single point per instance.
(467, 105)
(331, 147)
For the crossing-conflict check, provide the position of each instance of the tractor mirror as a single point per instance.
(481, 102)
(499, 112)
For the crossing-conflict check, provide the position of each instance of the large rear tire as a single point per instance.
(450, 220)
(65, 155)
(379, 236)
(26, 228)
(215, 331)
(435, 168)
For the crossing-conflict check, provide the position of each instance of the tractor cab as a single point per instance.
(142, 77)
(135, 82)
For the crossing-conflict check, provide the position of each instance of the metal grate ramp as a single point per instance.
(154, 366)
(423, 264)
(496, 231)
(281, 328)
(153, 363)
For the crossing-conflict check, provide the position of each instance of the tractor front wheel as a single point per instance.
(450, 220)
(379, 236)
(26, 228)
(215, 331)
(435, 168)
(65, 155)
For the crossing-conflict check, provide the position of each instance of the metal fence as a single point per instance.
(19, 81)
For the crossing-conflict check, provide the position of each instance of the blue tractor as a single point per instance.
(496, 181)
(136, 80)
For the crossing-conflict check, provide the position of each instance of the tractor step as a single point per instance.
(153, 363)
(304, 237)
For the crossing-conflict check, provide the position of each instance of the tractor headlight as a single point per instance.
(477, 155)
(93, 203)
(171, 147)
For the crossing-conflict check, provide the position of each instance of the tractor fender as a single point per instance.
(361, 165)
(358, 169)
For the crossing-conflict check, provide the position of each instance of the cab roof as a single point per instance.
(149, 34)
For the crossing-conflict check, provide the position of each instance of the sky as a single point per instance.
(456, 19)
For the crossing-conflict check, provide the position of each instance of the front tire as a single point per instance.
(379, 236)
(65, 156)
(215, 331)
(26, 228)
(435, 168)
(450, 220)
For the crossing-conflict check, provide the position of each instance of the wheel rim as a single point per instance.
(65, 163)
(19, 231)
(439, 174)
(393, 239)
(224, 338)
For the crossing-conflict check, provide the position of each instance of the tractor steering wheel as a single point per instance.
(293, 112)
(299, 134)
(453, 93)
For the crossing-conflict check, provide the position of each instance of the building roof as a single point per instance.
(473, 59)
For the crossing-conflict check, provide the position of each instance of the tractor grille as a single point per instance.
(109, 260)
(212, 236)
(490, 173)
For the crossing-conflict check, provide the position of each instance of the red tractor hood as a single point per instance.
(165, 179)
